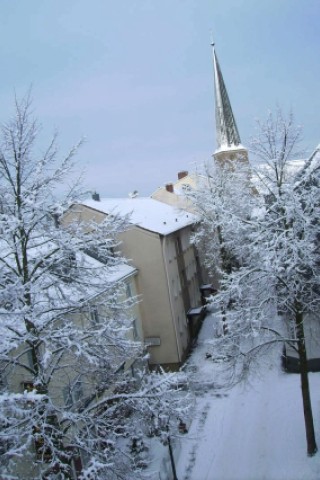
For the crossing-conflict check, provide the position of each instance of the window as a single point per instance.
(30, 358)
(65, 266)
(178, 246)
(94, 315)
(183, 278)
(102, 253)
(43, 451)
(3, 375)
(186, 188)
(129, 292)
(135, 332)
(28, 386)
(72, 393)
(121, 369)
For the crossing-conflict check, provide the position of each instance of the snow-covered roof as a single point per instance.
(230, 148)
(311, 165)
(263, 172)
(111, 274)
(89, 280)
(115, 274)
(145, 212)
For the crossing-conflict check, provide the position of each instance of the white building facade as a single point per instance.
(158, 245)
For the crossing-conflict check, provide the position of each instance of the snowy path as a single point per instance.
(253, 432)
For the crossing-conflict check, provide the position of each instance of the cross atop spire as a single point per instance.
(226, 127)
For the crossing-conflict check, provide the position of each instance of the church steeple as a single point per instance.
(227, 134)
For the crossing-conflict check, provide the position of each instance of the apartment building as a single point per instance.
(157, 243)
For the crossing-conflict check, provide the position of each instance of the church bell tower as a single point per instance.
(229, 147)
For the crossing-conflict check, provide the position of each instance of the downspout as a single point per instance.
(163, 241)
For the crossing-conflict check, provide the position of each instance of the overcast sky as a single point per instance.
(135, 77)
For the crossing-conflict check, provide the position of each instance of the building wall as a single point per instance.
(182, 278)
(83, 215)
(167, 281)
(177, 197)
(96, 311)
(169, 284)
(62, 389)
(230, 155)
(147, 252)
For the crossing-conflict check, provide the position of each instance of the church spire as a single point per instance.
(226, 128)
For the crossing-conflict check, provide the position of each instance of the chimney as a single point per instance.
(96, 197)
(182, 174)
(169, 187)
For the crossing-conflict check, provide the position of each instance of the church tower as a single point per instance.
(229, 145)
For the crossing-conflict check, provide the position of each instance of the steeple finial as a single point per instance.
(226, 127)
(212, 40)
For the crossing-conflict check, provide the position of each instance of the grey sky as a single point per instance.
(135, 77)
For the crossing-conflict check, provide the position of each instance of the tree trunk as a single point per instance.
(304, 378)
(173, 466)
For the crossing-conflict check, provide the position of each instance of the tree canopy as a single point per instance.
(67, 395)
(267, 231)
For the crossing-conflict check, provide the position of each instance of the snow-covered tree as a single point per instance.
(65, 393)
(222, 188)
(268, 298)
(222, 201)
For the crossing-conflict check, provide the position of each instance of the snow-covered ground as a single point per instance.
(250, 432)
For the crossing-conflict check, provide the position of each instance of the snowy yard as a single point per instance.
(250, 432)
